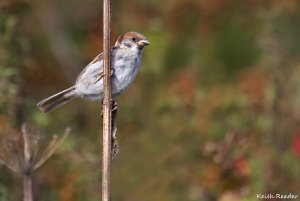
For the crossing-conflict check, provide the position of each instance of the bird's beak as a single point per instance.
(143, 43)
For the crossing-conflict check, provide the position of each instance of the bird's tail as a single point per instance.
(57, 100)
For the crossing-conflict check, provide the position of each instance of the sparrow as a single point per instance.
(126, 57)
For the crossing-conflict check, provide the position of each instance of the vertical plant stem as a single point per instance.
(27, 188)
(27, 180)
(106, 161)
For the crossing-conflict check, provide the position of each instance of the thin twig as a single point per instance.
(51, 148)
(27, 188)
(27, 180)
(28, 152)
(106, 163)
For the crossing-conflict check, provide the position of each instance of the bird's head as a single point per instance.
(132, 40)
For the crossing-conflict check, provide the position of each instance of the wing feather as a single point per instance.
(96, 59)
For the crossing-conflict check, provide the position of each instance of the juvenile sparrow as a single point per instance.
(125, 62)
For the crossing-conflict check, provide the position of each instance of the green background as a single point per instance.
(213, 114)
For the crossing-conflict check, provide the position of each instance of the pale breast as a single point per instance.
(126, 64)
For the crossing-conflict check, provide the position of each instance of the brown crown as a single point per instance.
(129, 35)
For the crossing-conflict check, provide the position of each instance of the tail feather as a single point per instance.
(57, 100)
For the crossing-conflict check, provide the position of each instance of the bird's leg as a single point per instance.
(114, 143)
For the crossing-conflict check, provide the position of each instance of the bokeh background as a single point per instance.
(213, 114)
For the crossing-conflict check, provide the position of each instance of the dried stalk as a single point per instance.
(114, 143)
(27, 180)
(27, 188)
(106, 160)
(25, 154)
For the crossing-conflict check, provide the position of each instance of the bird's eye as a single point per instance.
(133, 39)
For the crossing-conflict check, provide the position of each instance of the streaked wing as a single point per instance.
(100, 74)
(97, 58)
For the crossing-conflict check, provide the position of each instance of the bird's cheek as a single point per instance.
(127, 44)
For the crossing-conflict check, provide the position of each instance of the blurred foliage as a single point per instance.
(213, 114)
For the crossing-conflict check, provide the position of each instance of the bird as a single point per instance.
(126, 57)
